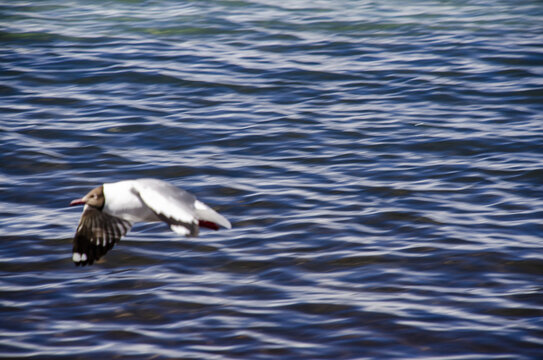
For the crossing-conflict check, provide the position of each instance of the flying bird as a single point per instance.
(111, 209)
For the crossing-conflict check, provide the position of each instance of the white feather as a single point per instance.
(181, 230)
(123, 202)
(165, 199)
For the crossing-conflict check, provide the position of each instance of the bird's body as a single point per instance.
(123, 202)
(112, 208)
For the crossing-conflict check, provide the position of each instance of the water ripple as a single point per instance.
(381, 165)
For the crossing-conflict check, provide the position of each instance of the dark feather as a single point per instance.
(191, 227)
(208, 224)
(96, 234)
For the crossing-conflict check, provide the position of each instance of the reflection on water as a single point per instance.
(380, 163)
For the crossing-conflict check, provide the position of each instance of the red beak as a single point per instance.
(77, 202)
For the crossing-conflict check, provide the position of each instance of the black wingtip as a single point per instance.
(85, 252)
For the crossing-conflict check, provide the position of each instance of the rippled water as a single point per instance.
(381, 164)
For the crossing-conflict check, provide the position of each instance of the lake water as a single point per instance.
(381, 163)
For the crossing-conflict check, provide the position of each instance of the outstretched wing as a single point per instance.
(178, 208)
(96, 234)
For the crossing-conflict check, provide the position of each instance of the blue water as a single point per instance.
(381, 164)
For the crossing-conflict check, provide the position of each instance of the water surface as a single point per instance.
(381, 164)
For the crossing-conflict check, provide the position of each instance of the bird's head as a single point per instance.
(94, 198)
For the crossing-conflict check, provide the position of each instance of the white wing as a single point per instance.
(178, 208)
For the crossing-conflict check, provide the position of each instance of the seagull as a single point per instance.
(111, 209)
